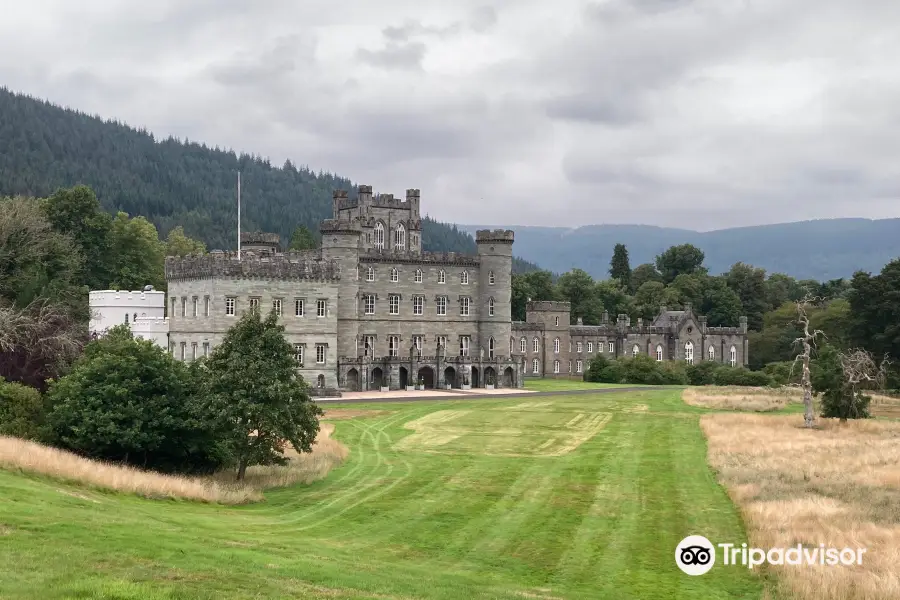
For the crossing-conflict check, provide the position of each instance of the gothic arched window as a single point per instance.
(659, 353)
(689, 352)
(400, 237)
(379, 235)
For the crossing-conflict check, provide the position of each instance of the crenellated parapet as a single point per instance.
(495, 236)
(290, 266)
(525, 326)
(450, 259)
(547, 306)
(724, 331)
(260, 237)
(332, 226)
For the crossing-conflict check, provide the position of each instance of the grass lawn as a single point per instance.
(552, 385)
(538, 498)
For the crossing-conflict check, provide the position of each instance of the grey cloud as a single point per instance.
(394, 56)
(594, 108)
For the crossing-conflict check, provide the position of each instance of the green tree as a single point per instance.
(619, 267)
(875, 310)
(577, 287)
(685, 259)
(303, 239)
(253, 387)
(720, 304)
(534, 285)
(139, 254)
(179, 244)
(841, 379)
(642, 274)
(750, 285)
(77, 212)
(127, 400)
(22, 412)
(781, 288)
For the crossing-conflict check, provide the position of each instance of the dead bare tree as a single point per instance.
(861, 372)
(807, 341)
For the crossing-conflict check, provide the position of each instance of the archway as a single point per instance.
(475, 380)
(450, 377)
(404, 378)
(377, 378)
(490, 376)
(353, 380)
(426, 374)
(508, 377)
(320, 381)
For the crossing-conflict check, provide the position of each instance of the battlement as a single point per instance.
(330, 226)
(497, 236)
(145, 298)
(226, 264)
(150, 325)
(547, 306)
(724, 330)
(412, 195)
(436, 258)
(260, 237)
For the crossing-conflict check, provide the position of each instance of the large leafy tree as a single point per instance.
(534, 285)
(127, 400)
(179, 244)
(685, 259)
(303, 239)
(260, 400)
(642, 274)
(619, 266)
(749, 283)
(139, 254)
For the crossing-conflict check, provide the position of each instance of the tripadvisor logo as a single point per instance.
(696, 555)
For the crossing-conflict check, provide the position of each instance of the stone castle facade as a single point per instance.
(550, 347)
(368, 309)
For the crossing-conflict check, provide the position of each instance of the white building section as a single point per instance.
(143, 311)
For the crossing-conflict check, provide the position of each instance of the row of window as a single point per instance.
(320, 353)
(465, 342)
(418, 304)
(536, 346)
(418, 277)
(231, 306)
(205, 349)
(689, 353)
(536, 366)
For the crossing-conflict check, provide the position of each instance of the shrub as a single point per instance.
(595, 369)
(702, 373)
(783, 373)
(22, 411)
(838, 399)
(726, 375)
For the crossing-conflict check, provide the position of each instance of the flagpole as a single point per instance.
(239, 217)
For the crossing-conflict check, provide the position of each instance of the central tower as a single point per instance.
(495, 291)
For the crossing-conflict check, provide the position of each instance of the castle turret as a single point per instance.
(495, 290)
(412, 198)
(340, 242)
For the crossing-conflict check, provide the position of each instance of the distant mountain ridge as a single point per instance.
(821, 249)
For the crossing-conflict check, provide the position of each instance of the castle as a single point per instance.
(370, 310)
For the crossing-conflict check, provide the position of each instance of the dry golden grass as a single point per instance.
(756, 399)
(837, 485)
(30, 457)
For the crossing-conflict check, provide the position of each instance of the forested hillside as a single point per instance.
(170, 182)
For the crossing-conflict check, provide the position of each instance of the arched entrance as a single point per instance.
(426, 374)
(320, 381)
(353, 380)
(490, 376)
(450, 377)
(508, 377)
(475, 380)
(404, 378)
(377, 378)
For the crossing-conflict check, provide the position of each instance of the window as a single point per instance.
(556, 366)
(370, 274)
(579, 366)
(491, 307)
(194, 351)
(512, 346)
(321, 308)
(229, 306)
(183, 347)
(134, 316)
(523, 345)
(712, 353)
(395, 275)
(369, 301)
(442, 341)
(298, 307)
(441, 305)
(418, 305)
(612, 347)
(578, 347)
(369, 345)
(556, 346)
(570, 346)
(689, 352)
(320, 354)
(183, 306)
(491, 278)
(357, 272)
(417, 344)
(535, 345)
(570, 367)
(172, 312)
(535, 366)
(413, 240)
(659, 356)
(379, 235)
(463, 345)
(393, 345)
(206, 306)
(491, 348)
(320, 381)
(394, 304)
(464, 278)
(400, 237)
(126, 318)
(298, 353)
(418, 278)
(254, 303)
(733, 356)
(442, 276)
(557, 321)
(276, 306)
(635, 350)
(464, 307)
(590, 347)
(205, 348)
(195, 301)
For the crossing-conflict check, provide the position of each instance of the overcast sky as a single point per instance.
(691, 113)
